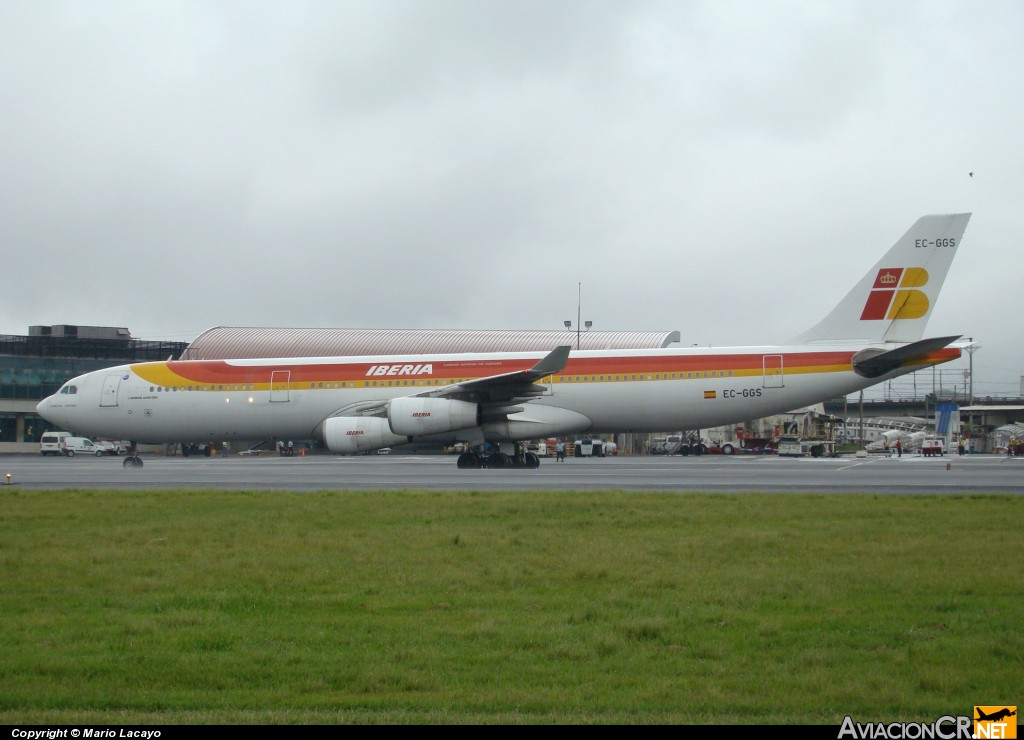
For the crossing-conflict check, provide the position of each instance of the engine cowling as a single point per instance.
(414, 417)
(348, 435)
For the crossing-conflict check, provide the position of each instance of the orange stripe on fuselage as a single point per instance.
(219, 372)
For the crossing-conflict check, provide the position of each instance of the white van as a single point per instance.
(52, 443)
(80, 446)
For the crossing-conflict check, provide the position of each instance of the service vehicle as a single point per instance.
(932, 446)
(792, 445)
(589, 448)
(720, 448)
(81, 446)
(111, 447)
(542, 447)
(52, 443)
(685, 444)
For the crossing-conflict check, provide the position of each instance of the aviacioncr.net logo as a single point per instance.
(944, 728)
(998, 722)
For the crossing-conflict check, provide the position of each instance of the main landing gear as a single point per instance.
(479, 458)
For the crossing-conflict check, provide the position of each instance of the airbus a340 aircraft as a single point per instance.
(357, 404)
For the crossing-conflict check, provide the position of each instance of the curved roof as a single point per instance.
(246, 342)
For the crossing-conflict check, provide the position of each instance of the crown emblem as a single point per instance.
(887, 279)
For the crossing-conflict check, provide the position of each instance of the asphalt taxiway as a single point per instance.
(911, 474)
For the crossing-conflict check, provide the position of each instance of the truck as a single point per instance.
(932, 446)
(792, 445)
(688, 443)
(589, 448)
(542, 447)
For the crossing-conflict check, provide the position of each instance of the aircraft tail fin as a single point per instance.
(893, 301)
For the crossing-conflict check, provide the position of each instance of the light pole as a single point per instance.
(568, 322)
(971, 349)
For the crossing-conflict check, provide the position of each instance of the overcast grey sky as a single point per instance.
(727, 168)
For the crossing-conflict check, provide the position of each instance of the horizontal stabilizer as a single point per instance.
(873, 363)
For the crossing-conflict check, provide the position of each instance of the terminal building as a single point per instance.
(35, 366)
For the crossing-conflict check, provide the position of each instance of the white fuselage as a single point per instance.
(616, 391)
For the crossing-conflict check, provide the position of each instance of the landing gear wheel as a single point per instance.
(468, 461)
(132, 462)
(684, 450)
(499, 460)
(532, 461)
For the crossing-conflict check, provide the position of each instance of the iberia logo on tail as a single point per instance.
(893, 296)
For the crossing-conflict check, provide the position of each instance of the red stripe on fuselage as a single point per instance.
(221, 372)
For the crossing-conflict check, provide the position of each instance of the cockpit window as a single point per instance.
(69, 390)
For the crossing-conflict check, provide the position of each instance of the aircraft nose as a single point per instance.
(46, 410)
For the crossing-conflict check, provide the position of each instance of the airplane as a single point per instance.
(495, 401)
(995, 716)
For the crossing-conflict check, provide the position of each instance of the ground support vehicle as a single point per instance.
(589, 448)
(791, 445)
(81, 446)
(110, 447)
(52, 443)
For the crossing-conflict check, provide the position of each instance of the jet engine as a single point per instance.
(413, 416)
(348, 435)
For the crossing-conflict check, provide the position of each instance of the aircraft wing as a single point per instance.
(520, 385)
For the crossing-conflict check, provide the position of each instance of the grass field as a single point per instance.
(185, 606)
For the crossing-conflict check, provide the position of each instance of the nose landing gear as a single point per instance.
(132, 460)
